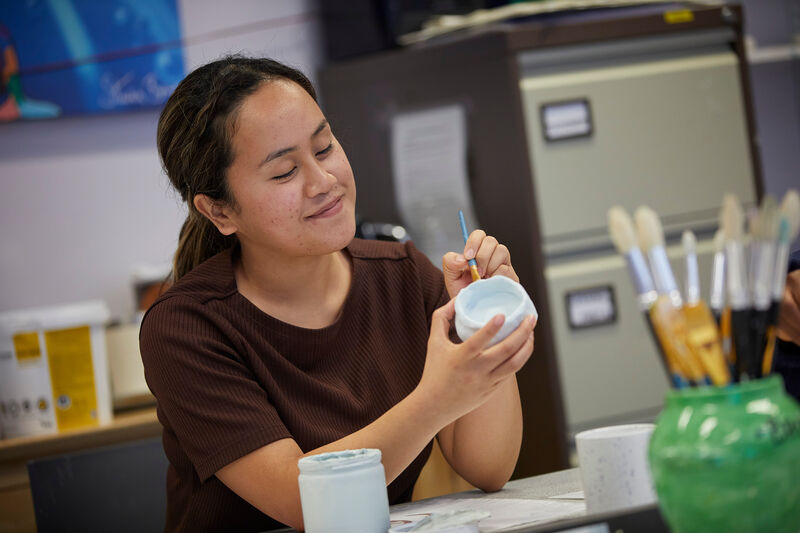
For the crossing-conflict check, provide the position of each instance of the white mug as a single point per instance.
(614, 467)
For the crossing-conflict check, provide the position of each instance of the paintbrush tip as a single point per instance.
(648, 226)
(732, 218)
(768, 219)
(689, 242)
(620, 228)
(790, 209)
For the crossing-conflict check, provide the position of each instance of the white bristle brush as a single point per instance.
(651, 239)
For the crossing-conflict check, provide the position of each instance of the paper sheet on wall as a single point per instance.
(429, 162)
(506, 512)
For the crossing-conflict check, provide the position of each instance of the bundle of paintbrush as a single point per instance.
(732, 339)
(755, 276)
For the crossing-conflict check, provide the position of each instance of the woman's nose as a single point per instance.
(318, 180)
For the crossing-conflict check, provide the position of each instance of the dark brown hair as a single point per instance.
(194, 142)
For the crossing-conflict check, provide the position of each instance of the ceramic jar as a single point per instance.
(344, 492)
(728, 459)
(481, 300)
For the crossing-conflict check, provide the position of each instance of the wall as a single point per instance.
(773, 27)
(83, 200)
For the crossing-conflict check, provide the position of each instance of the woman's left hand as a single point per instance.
(492, 257)
(789, 323)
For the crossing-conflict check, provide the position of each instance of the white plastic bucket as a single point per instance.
(53, 369)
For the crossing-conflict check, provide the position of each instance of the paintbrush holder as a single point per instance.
(728, 458)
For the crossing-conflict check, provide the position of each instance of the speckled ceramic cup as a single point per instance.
(481, 300)
(614, 467)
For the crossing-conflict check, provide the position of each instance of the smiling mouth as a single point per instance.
(328, 207)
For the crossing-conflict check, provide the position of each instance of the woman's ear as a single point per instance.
(218, 213)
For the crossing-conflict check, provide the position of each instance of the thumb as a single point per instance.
(443, 316)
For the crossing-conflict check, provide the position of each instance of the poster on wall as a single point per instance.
(67, 57)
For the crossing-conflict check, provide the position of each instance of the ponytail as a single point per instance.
(198, 240)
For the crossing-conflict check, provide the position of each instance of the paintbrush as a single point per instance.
(651, 239)
(732, 222)
(716, 300)
(691, 275)
(716, 297)
(473, 264)
(751, 244)
(666, 313)
(788, 229)
(702, 335)
(789, 211)
(764, 243)
(620, 228)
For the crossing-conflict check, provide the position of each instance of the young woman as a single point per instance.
(284, 336)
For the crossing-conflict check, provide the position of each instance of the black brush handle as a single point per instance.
(758, 340)
(745, 358)
(773, 313)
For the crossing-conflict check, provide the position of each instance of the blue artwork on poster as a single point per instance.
(62, 57)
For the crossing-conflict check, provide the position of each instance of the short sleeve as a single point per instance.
(206, 394)
(432, 280)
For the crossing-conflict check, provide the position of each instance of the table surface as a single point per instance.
(536, 487)
(643, 518)
(125, 426)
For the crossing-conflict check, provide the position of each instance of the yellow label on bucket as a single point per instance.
(69, 352)
(678, 17)
(26, 345)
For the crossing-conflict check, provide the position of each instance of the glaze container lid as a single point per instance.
(332, 462)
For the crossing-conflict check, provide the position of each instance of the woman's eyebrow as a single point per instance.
(321, 127)
(283, 151)
(278, 153)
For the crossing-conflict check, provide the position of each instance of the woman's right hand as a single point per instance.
(457, 378)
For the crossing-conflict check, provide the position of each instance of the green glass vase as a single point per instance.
(728, 459)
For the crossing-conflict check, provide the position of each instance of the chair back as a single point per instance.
(115, 488)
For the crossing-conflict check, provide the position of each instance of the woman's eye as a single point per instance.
(284, 176)
(325, 150)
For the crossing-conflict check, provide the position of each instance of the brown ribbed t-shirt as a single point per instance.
(230, 379)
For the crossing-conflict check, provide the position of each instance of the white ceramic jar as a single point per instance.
(481, 300)
(344, 492)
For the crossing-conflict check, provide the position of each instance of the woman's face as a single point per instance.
(290, 178)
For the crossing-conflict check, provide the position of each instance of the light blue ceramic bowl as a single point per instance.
(481, 300)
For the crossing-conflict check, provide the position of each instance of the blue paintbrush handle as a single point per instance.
(472, 261)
